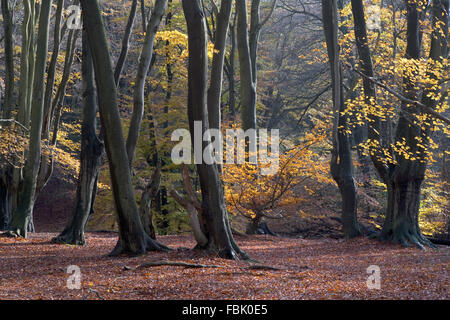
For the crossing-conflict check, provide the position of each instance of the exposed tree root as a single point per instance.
(95, 292)
(406, 238)
(196, 265)
(262, 267)
(12, 234)
(69, 238)
(149, 245)
(439, 241)
(177, 264)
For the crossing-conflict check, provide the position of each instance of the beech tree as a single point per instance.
(404, 176)
(6, 171)
(214, 216)
(143, 68)
(341, 160)
(90, 157)
(26, 195)
(132, 237)
(247, 46)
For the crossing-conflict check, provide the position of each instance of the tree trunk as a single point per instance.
(132, 237)
(214, 212)
(215, 87)
(341, 160)
(247, 86)
(90, 157)
(253, 224)
(125, 42)
(144, 65)
(145, 209)
(405, 181)
(22, 216)
(6, 171)
(9, 58)
(5, 198)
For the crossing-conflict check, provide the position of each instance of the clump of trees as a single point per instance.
(380, 91)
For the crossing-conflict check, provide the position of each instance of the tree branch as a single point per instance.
(424, 108)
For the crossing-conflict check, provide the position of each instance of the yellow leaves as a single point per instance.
(248, 192)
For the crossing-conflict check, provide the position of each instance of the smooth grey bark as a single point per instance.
(214, 218)
(24, 65)
(143, 16)
(230, 69)
(23, 213)
(247, 44)
(215, 87)
(6, 199)
(90, 157)
(192, 206)
(149, 193)
(255, 30)
(132, 237)
(341, 160)
(52, 68)
(58, 102)
(125, 42)
(9, 58)
(55, 112)
(46, 166)
(139, 87)
(24, 91)
(32, 56)
(365, 60)
(247, 86)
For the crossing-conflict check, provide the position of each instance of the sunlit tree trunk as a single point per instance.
(46, 166)
(23, 213)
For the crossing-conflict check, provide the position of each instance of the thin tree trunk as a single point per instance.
(125, 42)
(341, 160)
(144, 64)
(5, 198)
(90, 157)
(6, 181)
(247, 86)
(23, 214)
(52, 69)
(9, 61)
(215, 87)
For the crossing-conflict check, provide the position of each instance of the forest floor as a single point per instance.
(308, 269)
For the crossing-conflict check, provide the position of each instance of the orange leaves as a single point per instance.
(251, 194)
(335, 270)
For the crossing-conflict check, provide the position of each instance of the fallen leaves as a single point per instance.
(36, 269)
